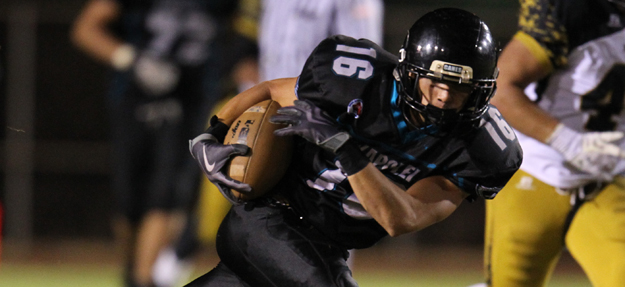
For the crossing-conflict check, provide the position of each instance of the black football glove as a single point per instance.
(212, 156)
(313, 124)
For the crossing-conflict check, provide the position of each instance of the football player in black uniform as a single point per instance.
(384, 146)
(164, 55)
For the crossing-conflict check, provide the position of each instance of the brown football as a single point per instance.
(270, 155)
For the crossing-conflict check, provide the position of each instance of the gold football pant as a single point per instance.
(525, 234)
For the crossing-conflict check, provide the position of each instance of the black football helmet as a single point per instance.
(448, 44)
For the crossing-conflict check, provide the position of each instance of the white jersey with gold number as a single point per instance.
(587, 95)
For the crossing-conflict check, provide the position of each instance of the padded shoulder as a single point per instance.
(493, 154)
(341, 69)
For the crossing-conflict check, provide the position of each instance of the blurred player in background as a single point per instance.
(238, 72)
(382, 147)
(570, 191)
(290, 29)
(163, 55)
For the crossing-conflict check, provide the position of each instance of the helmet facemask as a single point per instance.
(453, 46)
(411, 95)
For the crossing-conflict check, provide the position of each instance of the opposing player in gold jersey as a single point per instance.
(561, 87)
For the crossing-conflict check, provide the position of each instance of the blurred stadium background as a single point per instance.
(54, 165)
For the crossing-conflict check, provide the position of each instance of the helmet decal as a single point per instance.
(440, 69)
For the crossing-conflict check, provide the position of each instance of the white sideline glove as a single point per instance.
(594, 153)
(154, 75)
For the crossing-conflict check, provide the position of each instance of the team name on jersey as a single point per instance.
(387, 164)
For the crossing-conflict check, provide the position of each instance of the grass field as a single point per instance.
(69, 275)
(81, 264)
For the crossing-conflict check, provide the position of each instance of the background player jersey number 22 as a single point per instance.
(183, 27)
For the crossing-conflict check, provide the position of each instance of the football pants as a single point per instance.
(526, 232)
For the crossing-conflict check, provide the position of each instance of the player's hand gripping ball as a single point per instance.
(270, 155)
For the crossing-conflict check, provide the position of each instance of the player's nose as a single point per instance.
(443, 96)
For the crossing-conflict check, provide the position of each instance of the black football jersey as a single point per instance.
(344, 73)
(177, 30)
(184, 33)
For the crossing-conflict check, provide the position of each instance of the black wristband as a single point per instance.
(351, 159)
(218, 129)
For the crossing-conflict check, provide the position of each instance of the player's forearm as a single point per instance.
(281, 91)
(90, 31)
(96, 43)
(519, 67)
(522, 114)
(387, 203)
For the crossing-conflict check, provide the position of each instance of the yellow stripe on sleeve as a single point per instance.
(539, 52)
